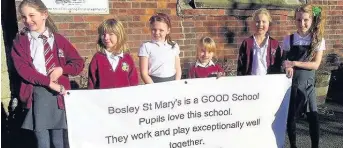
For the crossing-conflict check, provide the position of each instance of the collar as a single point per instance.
(197, 63)
(159, 43)
(265, 44)
(300, 37)
(112, 56)
(35, 34)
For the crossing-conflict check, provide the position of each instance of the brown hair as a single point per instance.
(39, 6)
(317, 28)
(116, 27)
(208, 43)
(161, 17)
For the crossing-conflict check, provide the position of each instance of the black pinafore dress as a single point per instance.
(303, 95)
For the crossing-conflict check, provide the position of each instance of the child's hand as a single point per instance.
(57, 87)
(55, 73)
(220, 74)
(289, 72)
(288, 64)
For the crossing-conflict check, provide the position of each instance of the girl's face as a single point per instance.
(33, 19)
(159, 31)
(262, 24)
(203, 55)
(303, 21)
(109, 40)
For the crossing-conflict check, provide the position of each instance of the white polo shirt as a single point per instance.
(298, 40)
(259, 62)
(161, 57)
(114, 59)
(37, 49)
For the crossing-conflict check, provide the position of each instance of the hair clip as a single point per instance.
(316, 10)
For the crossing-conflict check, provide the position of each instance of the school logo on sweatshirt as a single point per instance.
(125, 66)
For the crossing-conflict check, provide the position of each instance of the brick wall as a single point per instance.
(227, 27)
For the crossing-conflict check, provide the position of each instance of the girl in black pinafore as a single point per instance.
(304, 51)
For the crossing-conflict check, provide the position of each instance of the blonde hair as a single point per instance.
(40, 7)
(116, 27)
(317, 28)
(208, 43)
(263, 11)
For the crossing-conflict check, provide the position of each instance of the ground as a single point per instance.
(331, 128)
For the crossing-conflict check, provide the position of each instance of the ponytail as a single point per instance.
(317, 30)
(51, 25)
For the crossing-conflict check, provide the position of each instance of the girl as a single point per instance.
(260, 54)
(204, 66)
(304, 51)
(112, 66)
(159, 58)
(43, 59)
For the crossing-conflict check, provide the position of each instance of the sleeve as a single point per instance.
(285, 43)
(92, 74)
(74, 62)
(220, 69)
(25, 68)
(321, 45)
(278, 59)
(177, 49)
(133, 75)
(191, 72)
(242, 59)
(143, 51)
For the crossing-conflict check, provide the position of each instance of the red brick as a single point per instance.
(80, 33)
(135, 11)
(187, 24)
(149, 5)
(63, 26)
(136, 5)
(78, 25)
(121, 5)
(171, 5)
(67, 32)
(136, 24)
(93, 18)
(78, 19)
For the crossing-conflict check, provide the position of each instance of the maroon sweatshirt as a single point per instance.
(204, 72)
(274, 57)
(102, 76)
(66, 55)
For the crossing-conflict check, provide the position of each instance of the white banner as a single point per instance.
(229, 112)
(77, 6)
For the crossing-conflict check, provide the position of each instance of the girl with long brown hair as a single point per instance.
(303, 52)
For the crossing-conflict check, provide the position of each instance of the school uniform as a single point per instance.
(112, 71)
(161, 63)
(46, 107)
(203, 71)
(255, 60)
(303, 96)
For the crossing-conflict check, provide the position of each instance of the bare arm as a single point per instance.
(312, 65)
(143, 66)
(178, 68)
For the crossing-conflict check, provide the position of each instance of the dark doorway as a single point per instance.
(12, 136)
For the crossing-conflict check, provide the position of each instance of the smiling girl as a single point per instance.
(204, 66)
(159, 58)
(112, 66)
(44, 60)
(304, 51)
(260, 54)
